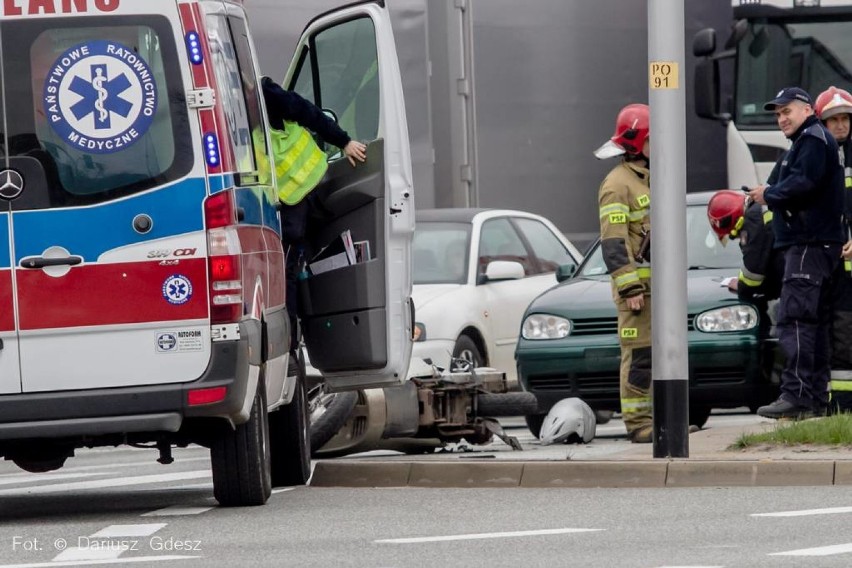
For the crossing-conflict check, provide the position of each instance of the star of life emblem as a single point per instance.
(100, 97)
(177, 289)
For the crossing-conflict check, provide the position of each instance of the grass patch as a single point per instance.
(830, 431)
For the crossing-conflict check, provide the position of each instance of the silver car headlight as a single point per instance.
(543, 326)
(730, 318)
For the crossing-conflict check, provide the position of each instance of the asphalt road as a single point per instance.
(117, 506)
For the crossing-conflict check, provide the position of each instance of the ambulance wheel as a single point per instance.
(241, 459)
(290, 440)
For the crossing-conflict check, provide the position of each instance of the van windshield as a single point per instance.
(94, 108)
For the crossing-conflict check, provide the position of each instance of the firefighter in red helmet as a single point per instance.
(624, 205)
(733, 215)
(834, 108)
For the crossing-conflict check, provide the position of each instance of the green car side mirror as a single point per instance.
(565, 272)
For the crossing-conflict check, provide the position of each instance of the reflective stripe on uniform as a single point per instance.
(614, 208)
(634, 405)
(644, 272)
(767, 217)
(639, 214)
(837, 374)
(750, 278)
(624, 279)
(841, 386)
(847, 265)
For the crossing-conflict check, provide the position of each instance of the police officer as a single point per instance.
(624, 200)
(733, 215)
(805, 194)
(834, 107)
(283, 105)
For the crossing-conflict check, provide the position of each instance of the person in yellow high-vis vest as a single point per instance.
(299, 166)
(834, 108)
(624, 200)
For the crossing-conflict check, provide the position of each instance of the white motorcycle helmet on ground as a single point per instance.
(570, 421)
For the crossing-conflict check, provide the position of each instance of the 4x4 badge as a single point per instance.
(11, 184)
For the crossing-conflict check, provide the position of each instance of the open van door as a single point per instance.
(10, 368)
(357, 320)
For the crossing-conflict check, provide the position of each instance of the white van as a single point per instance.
(142, 293)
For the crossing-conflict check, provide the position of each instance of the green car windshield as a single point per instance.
(703, 249)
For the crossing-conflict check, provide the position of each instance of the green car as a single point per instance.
(568, 345)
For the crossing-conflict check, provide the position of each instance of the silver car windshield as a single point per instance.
(703, 249)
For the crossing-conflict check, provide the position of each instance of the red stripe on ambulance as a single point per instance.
(111, 294)
(7, 314)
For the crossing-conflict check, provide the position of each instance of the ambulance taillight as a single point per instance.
(224, 254)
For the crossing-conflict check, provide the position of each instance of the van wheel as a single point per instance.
(241, 460)
(291, 442)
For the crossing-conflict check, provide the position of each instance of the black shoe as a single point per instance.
(784, 409)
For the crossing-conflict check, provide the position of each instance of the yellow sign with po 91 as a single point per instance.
(664, 75)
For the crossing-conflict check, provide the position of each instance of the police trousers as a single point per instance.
(804, 323)
(841, 339)
(634, 334)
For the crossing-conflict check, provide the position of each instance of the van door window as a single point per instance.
(236, 79)
(347, 80)
(98, 108)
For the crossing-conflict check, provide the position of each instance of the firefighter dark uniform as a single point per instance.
(763, 266)
(841, 297)
(805, 194)
(625, 200)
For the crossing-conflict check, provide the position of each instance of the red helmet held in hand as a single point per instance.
(632, 127)
(833, 101)
(724, 212)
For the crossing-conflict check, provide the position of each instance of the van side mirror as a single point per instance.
(565, 272)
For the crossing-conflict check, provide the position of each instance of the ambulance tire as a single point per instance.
(290, 440)
(240, 458)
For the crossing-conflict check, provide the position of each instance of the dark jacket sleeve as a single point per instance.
(282, 105)
(776, 170)
(803, 175)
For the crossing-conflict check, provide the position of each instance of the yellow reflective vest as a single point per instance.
(299, 163)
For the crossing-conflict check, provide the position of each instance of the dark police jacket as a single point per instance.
(282, 105)
(806, 189)
(763, 265)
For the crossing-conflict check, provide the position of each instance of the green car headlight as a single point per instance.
(730, 318)
(543, 326)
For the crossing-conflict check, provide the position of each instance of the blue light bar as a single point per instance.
(193, 48)
(211, 150)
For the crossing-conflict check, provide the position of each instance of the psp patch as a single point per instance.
(100, 97)
(177, 289)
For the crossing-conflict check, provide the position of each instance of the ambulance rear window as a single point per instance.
(98, 102)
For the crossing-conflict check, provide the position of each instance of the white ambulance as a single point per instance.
(142, 290)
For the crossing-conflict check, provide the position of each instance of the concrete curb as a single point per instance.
(583, 474)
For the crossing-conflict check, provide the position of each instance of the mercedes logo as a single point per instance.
(11, 184)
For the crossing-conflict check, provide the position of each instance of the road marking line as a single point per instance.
(282, 490)
(176, 511)
(510, 534)
(129, 530)
(75, 554)
(806, 512)
(109, 561)
(42, 477)
(818, 551)
(104, 483)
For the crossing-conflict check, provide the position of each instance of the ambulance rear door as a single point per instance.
(108, 249)
(357, 319)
